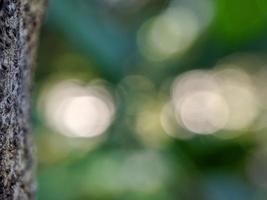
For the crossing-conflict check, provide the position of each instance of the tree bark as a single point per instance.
(19, 26)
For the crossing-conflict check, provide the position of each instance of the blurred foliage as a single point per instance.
(124, 57)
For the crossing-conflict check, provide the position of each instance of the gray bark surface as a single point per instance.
(19, 27)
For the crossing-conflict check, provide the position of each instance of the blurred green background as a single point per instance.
(152, 99)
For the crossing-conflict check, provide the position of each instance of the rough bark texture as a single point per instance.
(19, 27)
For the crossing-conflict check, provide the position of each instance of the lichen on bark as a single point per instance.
(19, 26)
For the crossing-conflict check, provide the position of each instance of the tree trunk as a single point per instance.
(19, 26)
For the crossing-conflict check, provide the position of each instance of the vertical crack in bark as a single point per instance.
(19, 25)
